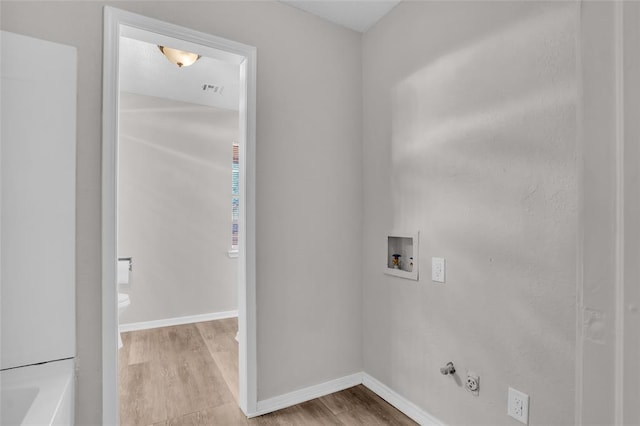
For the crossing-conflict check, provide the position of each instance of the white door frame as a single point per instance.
(114, 21)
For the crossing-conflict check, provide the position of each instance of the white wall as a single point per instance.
(597, 263)
(470, 138)
(470, 129)
(629, 371)
(608, 357)
(174, 207)
(309, 178)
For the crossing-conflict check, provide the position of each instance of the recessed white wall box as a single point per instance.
(437, 269)
(402, 256)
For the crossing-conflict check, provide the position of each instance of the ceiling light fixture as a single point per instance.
(179, 57)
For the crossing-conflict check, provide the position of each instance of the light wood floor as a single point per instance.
(188, 375)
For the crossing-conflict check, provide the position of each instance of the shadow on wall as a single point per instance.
(175, 207)
(483, 163)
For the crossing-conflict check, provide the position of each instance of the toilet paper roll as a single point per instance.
(123, 272)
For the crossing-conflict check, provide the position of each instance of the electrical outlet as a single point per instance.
(473, 383)
(518, 406)
(437, 269)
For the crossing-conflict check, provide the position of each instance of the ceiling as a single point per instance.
(214, 79)
(144, 70)
(358, 15)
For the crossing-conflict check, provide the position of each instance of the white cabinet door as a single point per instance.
(37, 210)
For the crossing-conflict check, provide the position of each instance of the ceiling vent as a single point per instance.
(212, 88)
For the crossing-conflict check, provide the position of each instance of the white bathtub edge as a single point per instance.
(54, 403)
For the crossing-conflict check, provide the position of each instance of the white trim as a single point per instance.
(290, 399)
(619, 259)
(110, 412)
(407, 407)
(114, 21)
(579, 364)
(190, 319)
(247, 319)
(306, 394)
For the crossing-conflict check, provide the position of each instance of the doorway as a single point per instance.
(119, 23)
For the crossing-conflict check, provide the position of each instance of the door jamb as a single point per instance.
(114, 19)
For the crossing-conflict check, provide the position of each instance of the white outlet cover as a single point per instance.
(473, 383)
(518, 406)
(437, 269)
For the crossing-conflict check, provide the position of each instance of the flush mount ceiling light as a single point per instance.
(179, 57)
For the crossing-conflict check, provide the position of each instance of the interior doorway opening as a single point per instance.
(125, 31)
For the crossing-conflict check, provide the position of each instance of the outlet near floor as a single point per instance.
(473, 383)
(518, 406)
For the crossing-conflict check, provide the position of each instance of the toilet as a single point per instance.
(123, 302)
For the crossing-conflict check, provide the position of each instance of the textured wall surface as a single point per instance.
(596, 402)
(309, 176)
(469, 137)
(631, 309)
(608, 358)
(174, 207)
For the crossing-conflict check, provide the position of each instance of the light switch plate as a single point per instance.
(437, 269)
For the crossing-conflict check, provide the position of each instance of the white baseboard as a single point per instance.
(392, 397)
(145, 325)
(383, 391)
(306, 394)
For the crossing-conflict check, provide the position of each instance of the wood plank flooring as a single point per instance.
(188, 375)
